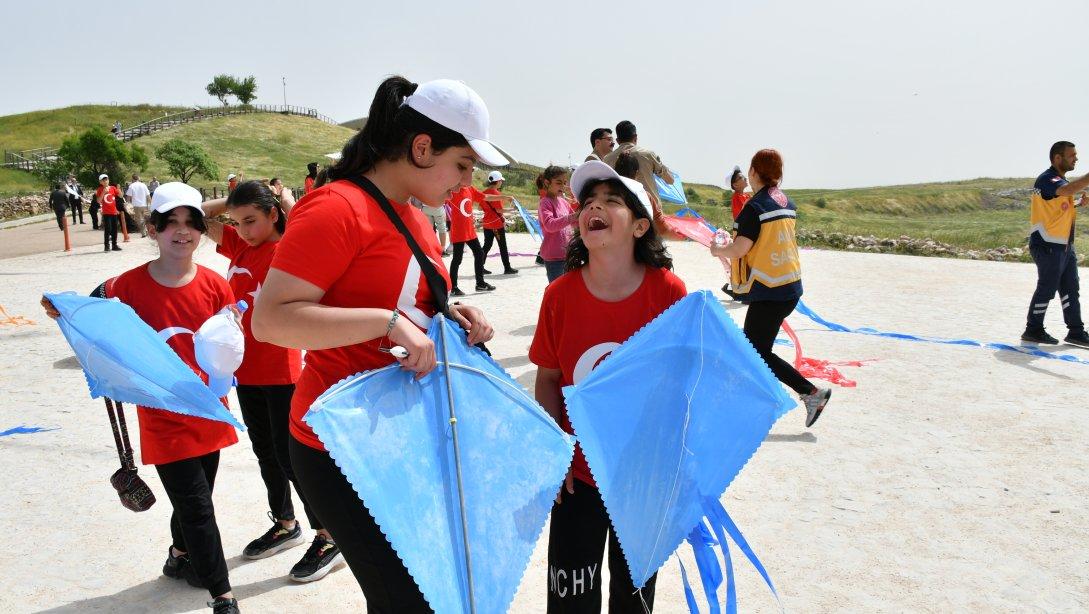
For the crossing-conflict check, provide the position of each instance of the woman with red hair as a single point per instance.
(766, 273)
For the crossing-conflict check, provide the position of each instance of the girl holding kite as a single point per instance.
(175, 296)
(618, 279)
(766, 273)
(345, 284)
(557, 217)
(267, 376)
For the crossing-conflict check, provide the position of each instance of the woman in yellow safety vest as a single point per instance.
(766, 274)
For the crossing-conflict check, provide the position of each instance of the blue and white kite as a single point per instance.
(671, 193)
(532, 225)
(459, 468)
(666, 422)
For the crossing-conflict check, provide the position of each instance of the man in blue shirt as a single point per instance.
(1052, 214)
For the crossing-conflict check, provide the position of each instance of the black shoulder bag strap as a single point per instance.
(434, 279)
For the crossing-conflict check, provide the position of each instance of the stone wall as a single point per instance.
(23, 206)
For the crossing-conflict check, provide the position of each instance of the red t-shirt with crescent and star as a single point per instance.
(176, 313)
(461, 213)
(263, 364)
(493, 211)
(107, 198)
(342, 242)
(576, 330)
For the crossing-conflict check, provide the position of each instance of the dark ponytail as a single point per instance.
(256, 194)
(387, 136)
(548, 174)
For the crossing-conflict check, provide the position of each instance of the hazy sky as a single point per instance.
(852, 93)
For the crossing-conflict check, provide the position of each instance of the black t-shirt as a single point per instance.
(58, 200)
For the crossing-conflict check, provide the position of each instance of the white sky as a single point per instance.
(852, 93)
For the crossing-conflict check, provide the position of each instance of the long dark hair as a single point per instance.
(389, 131)
(256, 194)
(549, 173)
(649, 249)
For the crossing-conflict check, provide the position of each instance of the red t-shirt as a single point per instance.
(308, 184)
(342, 242)
(737, 202)
(493, 211)
(461, 213)
(176, 313)
(576, 330)
(263, 364)
(107, 197)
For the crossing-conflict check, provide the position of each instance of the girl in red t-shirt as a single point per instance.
(344, 284)
(494, 222)
(267, 376)
(174, 296)
(618, 280)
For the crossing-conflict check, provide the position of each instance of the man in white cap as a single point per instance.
(108, 196)
(233, 181)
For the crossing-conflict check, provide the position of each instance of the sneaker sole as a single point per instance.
(1077, 344)
(337, 562)
(298, 540)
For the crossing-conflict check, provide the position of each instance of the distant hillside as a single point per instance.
(355, 124)
(49, 128)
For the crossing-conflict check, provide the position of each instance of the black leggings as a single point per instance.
(762, 322)
(500, 236)
(478, 260)
(110, 224)
(266, 410)
(386, 583)
(576, 546)
(188, 484)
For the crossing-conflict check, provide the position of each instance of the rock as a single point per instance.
(23, 206)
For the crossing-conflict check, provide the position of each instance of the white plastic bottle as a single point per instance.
(219, 346)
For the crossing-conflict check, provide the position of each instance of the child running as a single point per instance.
(766, 272)
(618, 280)
(266, 379)
(175, 296)
(557, 218)
(494, 222)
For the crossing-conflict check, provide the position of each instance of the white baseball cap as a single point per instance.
(103, 176)
(495, 177)
(230, 176)
(595, 170)
(175, 194)
(454, 105)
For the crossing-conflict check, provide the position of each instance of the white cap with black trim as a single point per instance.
(103, 176)
(595, 170)
(495, 177)
(454, 105)
(175, 194)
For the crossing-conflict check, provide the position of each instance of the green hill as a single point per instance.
(49, 128)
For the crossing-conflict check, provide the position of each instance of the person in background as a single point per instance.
(58, 202)
(233, 180)
(649, 166)
(766, 272)
(75, 198)
(602, 143)
(437, 217)
(557, 218)
(154, 185)
(1052, 212)
(494, 223)
(311, 178)
(738, 183)
(107, 196)
(139, 195)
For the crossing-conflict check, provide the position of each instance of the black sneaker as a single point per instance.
(1039, 336)
(107, 250)
(178, 567)
(484, 287)
(224, 606)
(116, 249)
(510, 271)
(1079, 339)
(814, 404)
(456, 292)
(538, 259)
(276, 539)
(321, 557)
(487, 272)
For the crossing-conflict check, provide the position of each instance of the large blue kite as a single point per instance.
(459, 468)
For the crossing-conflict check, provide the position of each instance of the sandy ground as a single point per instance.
(948, 480)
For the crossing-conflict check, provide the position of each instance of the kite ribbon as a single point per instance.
(817, 368)
(812, 315)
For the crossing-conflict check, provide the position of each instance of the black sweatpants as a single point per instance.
(60, 218)
(77, 207)
(188, 484)
(762, 322)
(576, 546)
(478, 260)
(110, 224)
(93, 210)
(500, 236)
(266, 410)
(1056, 271)
(386, 583)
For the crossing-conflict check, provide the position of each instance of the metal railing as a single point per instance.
(27, 159)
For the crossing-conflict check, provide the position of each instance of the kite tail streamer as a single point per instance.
(817, 368)
(804, 309)
(710, 572)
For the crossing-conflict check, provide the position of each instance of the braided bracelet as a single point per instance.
(392, 322)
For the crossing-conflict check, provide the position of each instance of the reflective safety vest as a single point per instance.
(1053, 219)
(773, 261)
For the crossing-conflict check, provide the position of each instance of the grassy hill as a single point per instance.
(49, 128)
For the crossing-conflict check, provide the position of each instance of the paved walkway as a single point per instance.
(42, 237)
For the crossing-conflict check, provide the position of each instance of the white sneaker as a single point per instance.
(814, 404)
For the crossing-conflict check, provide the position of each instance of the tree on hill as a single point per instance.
(222, 86)
(185, 159)
(245, 90)
(692, 195)
(96, 151)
